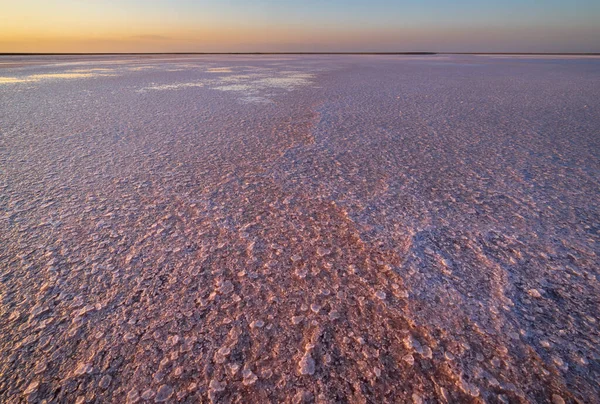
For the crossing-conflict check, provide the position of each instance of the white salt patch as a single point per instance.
(49, 76)
(219, 70)
(11, 80)
(176, 86)
(235, 87)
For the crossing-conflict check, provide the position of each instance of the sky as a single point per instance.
(299, 26)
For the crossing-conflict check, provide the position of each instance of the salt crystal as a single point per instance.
(33, 386)
(257, 324)
(226, 287)
(132, 397)
(215, 385)
(164, 393)
(40, 367)
(105, 381)
(249, 377)
(224, 351)
(83, 368)
(148, 394)
(306, 365)
(322, 251)
(233, 368)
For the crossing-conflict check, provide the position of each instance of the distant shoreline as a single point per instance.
(296, 53)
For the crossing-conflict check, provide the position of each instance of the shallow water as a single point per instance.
(299, 228)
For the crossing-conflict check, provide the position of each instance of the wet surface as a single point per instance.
(299, 229)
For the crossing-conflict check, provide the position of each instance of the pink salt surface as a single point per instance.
(299, 229)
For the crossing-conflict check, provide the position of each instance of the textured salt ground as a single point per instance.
(300, 229)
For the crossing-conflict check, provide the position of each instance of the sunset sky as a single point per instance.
(299, 25)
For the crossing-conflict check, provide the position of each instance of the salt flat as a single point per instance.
(299, 229)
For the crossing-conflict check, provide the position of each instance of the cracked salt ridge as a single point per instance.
(184, 256)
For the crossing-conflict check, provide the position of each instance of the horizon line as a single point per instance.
(295, 53)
